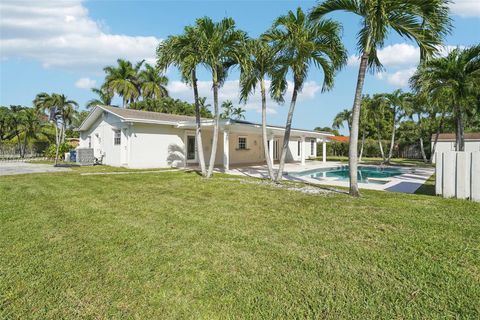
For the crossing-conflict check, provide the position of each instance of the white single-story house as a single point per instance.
(143, 139)
(447, 142)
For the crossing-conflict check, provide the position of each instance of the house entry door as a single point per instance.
(191, 154)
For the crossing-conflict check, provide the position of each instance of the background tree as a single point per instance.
(123, 80)
(104, 98)
(341, 118)
(152, 83)
(459, 74)
(425, 22)
(399, 104)
(301, 43)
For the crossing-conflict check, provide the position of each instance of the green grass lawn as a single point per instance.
(173, 245)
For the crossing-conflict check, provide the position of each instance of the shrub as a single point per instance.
(64, 147)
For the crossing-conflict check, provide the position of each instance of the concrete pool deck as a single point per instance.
(408, 182)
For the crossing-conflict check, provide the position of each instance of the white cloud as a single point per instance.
(399, 78)
(466, 8)
(393, 55)
(61, 34)
(85, 83)
(230, 91)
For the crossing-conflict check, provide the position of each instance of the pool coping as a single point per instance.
(408, 182)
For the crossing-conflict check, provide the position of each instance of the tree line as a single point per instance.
(445, 97)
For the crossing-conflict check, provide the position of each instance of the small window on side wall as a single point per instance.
(242, 143)
(117, 137)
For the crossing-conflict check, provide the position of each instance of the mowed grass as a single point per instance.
(173, 245)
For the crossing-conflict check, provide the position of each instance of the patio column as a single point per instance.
(324, 150)
(226, 151)
(304, 149)
(270, 146)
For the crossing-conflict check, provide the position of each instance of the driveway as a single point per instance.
(11, 168)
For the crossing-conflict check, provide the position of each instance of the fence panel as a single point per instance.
(458, 175)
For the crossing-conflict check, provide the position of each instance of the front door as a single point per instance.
(191, 154)
(275, 149)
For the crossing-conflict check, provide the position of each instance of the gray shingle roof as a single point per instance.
(147, 115)
(451, 136)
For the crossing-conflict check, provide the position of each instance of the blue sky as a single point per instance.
(62, 46)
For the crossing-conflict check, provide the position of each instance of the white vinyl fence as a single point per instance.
(457, 175)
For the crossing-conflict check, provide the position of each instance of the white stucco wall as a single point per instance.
(101, 135)
(155, 146)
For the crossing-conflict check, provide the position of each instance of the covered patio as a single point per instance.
(240, 144)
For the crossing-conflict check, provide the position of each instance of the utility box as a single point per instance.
(85, 157)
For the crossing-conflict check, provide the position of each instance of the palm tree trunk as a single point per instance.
(264, 131)
(57, 140)
(381, 147)
(422, 150)
(353, 145)
(215, 126)
(361, 147)
(198, 128)
(286, 136)
(459, 138)
(437, 134)
(392, 143)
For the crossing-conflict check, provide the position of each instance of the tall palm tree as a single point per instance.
(238, 113)
(301, 43)
(260, 62)
(221, 46)
(32, 126)
(184, 52)
(152, 83)
(104, 98)
(341, 118)
(425, 22)
(459, 74)
(123, 81)
(377, 107)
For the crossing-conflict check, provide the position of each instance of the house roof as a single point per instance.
(339, 138)
(146, 115)
(181, 121)
(451, 136)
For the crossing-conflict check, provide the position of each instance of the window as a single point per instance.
(242, 143)
(190, 147)
(299, 146)
(312, 147)
(117, 137)
(89, 142)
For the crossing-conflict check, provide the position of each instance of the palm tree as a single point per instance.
(260, 62)
(152, 83)
(400, 105)
(300, 44)
(377, 107)
(184, 53)
(458, 74)
(123, 80)
(221, 46)
(341, 118)
(61, 112)
(32, 126)
(104, 98)
(238, 113)
(227, 107)
(425, 22)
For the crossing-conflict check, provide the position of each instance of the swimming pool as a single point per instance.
(366, 174)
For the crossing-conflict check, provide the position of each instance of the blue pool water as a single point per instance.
(341, 173)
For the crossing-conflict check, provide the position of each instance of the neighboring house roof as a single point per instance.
(180, 121)
(339, 138)
(451, 136)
